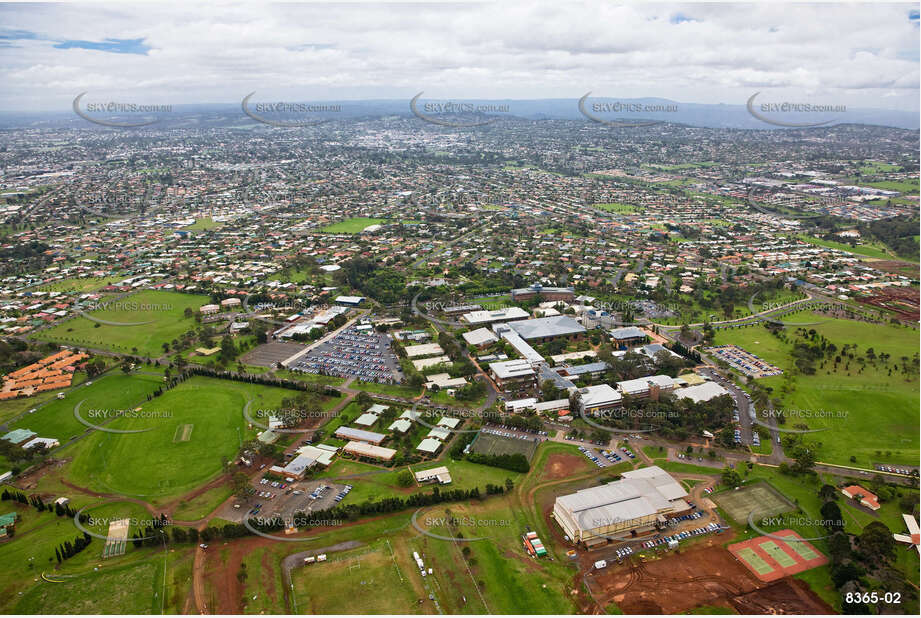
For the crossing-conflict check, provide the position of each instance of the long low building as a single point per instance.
(557, 405)
(499, 315)
(480, 338)
(521, 346)
(600, 397)
(440, 475)
(350, 433)
(650, 386)
(641, 499)
(512, 372)
(424, 349)
(545, 329)
(549, 293)
(363, 449)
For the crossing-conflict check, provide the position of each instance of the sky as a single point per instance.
(859, 55)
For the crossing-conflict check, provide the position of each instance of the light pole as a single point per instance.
(165, 556)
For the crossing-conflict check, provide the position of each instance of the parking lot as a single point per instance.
(607, 457)
(746, 362)
(278, 498)
(362, 354)
(269, 354)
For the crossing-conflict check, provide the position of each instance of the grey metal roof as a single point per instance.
(552, 326)
(628, 332)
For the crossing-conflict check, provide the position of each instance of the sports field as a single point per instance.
(624, 209)
(771, 558)
(192, 430)
(864, 410)
(759, 498)
(491, 444)
(99, 401)
(367, 581)
(77, 284)
(350, 226)
(139, 324)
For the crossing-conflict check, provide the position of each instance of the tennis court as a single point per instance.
(804, 550)
(754, 561)
(491, 444)
(758, 498)
(781, 554)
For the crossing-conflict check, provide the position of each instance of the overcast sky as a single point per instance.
(863, 55)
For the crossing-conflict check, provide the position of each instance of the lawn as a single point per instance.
(623, 209)
(379, 483)
(496, 575)
(160, 312)
(203, 504)
(204, 224)
(105, 397)
(362, 581)
(909, 187)
(79, 285)
(193, 429)
(350, 226)
(865, 414)
(864, 250)
(127, 589)
(31, 552)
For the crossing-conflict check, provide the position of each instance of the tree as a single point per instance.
(828, 493)
(240, 483)
(839, 546)
(731, 478)
(831, 516)
(876, 542)
(405, 478)
(805, 458)
(363, 400)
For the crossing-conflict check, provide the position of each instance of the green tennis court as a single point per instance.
(781, 557)
(754, 561)
(804, 550)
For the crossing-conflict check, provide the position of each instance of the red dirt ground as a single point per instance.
(779, 571)
(903, 301)
(700, 576)
(561, 465)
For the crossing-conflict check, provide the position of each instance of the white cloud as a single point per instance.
(856, 54)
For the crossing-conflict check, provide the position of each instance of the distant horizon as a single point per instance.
(400, 99)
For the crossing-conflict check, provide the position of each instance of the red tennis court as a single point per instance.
(771, 557)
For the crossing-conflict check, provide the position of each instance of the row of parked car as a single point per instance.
(318, 492)
(896, 469)
(342, 494)
(276, 484)
(588, 453)
(624, 552)
(687, 516)
(686, 534)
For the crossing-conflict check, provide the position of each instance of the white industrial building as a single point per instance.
(641, 499)
(499, 315)
(701, 392)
